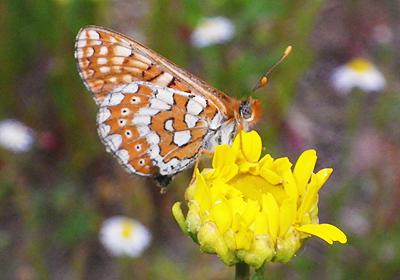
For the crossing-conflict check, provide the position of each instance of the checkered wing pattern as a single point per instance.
(154, 117)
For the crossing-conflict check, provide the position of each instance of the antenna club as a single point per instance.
(288, 51)
(263, 81)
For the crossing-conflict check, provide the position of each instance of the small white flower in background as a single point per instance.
(123, 236)
(358, 73)
(210, 31)
(15, 136)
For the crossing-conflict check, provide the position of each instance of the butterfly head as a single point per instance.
(250, 112)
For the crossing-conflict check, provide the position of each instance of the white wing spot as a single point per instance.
(148, 111)
(154, 153)
(216, 121)
(169, 125)
(93, 34)
(118, 60)
(201, 100)
(113, 141)
(153, 138)
(131, 88)
(104, 130)
(79, 53)
(163, 80)
(123, 155)
(182, 137)
(143, 130)
(166, 96)
(194, 107)
(191, 120)
(112, 79)
(102, 60)
(82, 35)
(103, 50)
(81, 43)
(89, 52)
(127, 78)
(142, 120)
(130, 168)
(143, 58)
(104, 69)
(103, 115)
(114, 98)
(159, 105)
(122, 51)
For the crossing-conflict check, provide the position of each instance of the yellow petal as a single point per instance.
(228, 171)
(310, 196)
(323, 175)
(244, 238)
(270, 176)
(222, 216)
(266, 161)
(179, 218)
(223, 156)
(290, 184)
(261, 224)
(304, 167)
(287, 214)
(251, 145)
(281, 165)
(251, 212)
(271, 208)
(326, 232)
(202, 192)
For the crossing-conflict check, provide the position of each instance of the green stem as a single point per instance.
(242, 271)
(259, 275)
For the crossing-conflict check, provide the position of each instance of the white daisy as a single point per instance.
(213, 30)
(358, 73)
(15, 136)
(123, 236)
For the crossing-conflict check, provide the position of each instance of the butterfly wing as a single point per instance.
(153, 116)
(147, 128)
(107, 59)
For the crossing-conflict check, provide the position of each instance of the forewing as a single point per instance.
(107, 60)
(152, 129)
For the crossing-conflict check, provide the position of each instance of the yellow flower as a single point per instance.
(252, 210)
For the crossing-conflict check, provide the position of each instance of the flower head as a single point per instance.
(15, 136)
(211, 31)
(252, 210)
(123, 236)
(358, 73)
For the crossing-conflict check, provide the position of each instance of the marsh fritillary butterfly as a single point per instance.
(153, 116)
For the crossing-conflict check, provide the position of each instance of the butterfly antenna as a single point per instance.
(263, 81)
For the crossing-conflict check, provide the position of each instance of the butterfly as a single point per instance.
(155, 118)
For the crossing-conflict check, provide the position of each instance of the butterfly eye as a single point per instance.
(245, 110)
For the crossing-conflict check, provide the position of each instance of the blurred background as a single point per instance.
(58, 185)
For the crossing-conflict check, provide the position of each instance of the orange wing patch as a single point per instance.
(108, 60)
